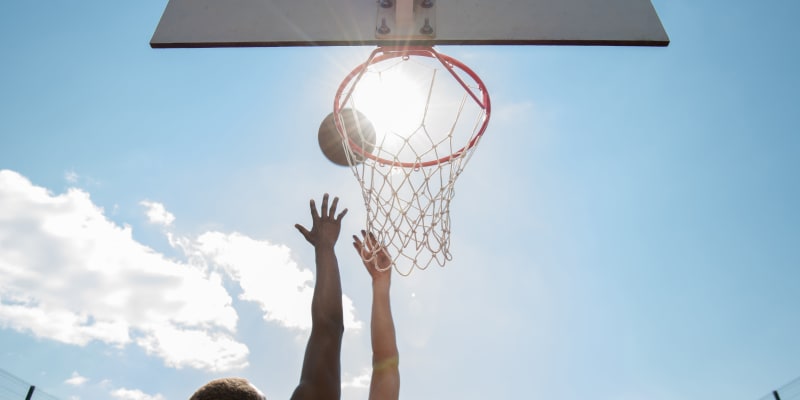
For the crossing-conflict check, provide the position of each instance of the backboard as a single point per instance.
(270, 23)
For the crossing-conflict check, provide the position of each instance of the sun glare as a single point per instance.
(392, 100)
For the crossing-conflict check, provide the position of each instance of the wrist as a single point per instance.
(381, 282)
(324, 244)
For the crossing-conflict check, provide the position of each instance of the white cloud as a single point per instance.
(76, 379)
(134, 394)
(197, 348)
(267, 275)
(360, 381)
(71, 177)
(69, 274)
(157, 214)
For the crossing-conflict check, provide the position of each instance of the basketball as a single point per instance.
(359, 129)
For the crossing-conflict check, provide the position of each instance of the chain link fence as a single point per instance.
(13, 388)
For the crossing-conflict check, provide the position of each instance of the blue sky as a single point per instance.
(628, 228)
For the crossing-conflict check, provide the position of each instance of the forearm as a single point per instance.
(326, 303)
(384, 342)
(385, 383)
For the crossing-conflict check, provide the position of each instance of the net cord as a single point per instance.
(408, 202)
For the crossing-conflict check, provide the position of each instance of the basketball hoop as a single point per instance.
(429, 112)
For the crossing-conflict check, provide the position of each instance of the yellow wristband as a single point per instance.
(391, 362)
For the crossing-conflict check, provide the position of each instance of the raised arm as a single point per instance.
(320, 378)
(385, 383)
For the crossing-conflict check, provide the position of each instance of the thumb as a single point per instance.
(303, 231)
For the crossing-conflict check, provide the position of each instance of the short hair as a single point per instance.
(228, 389)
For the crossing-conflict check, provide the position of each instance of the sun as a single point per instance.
(392, 100)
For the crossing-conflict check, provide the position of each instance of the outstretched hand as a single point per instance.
(326, 227)
(374, 255)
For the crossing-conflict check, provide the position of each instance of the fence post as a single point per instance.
(30, 392)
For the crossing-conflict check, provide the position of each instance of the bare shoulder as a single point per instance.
(321, 389)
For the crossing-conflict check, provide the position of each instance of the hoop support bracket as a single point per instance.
(405, 20)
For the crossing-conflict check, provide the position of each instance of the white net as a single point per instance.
(429, 112)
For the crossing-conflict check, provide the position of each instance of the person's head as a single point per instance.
(228, 389)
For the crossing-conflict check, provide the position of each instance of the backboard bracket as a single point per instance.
(405, 20)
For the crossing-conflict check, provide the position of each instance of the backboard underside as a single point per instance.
(270, 23)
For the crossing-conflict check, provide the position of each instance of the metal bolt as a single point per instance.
(384, 29)
(426, 29)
